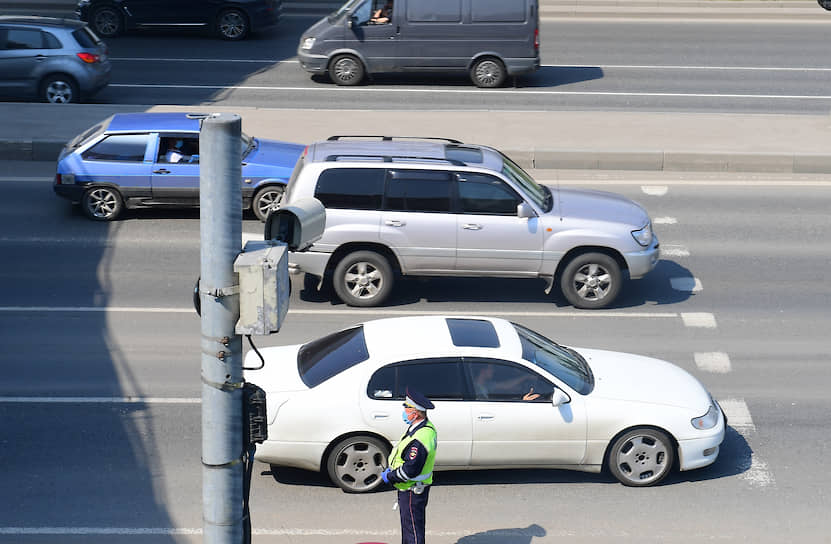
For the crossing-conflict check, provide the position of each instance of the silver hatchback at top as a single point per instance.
(56, 60)
(438, 207)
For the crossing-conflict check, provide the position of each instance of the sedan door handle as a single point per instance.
(472, 226)
(484, 416)
(161, 171)
(379, 415)
(395, 223)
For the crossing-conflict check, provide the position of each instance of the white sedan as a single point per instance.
(505, 396)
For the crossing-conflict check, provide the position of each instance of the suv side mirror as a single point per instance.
(524, 209)
(299, 224)
(560, 397)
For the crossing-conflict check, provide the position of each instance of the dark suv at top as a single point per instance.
(58, 60)
(230, 19)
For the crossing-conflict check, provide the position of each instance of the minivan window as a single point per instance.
(351, 188)
(325, 357)
(418, 191)
(118, 147)
(447, 11)
(486, 195)
(498, 11)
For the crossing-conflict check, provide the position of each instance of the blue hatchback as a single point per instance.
(142, 160)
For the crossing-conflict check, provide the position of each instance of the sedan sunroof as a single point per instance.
(472, 333)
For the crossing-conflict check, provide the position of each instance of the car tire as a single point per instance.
(825, 4)
(363, 278)
(346, 70)
(591, 280)
(641, 457)
(488, 73)
(102, 203)
(355, 464)
(265, 198)
(107, 22)
(59, 89)
(232, 25)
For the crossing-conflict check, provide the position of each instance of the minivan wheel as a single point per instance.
(641, 457)
(232, 24)
(363, 278)
(265, 199)
(355, 463)
(346, 70)
(591, 280)
(59, 89)
(101, 203)
(488, 73)
(107, 22)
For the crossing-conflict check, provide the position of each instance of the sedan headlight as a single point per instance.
(708, 420)
(307, 43)
(643, 236)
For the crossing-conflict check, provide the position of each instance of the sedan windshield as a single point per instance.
(564, 363)
(325, 357)
(540, 194)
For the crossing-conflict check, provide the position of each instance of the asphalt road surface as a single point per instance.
(101, 313)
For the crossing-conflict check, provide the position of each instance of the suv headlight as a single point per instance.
(708, 420)
(643, 236)
(307, 43)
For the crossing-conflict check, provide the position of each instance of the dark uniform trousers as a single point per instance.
(413, 509)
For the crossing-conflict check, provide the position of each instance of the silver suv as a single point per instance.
(438, 207)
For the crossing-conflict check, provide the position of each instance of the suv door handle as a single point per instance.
(161, 171)
(472, 226)
(41, 57)
(395, 223)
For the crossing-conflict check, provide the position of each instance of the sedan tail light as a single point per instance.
(89, 58)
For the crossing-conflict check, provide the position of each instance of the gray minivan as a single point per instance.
(490, 39)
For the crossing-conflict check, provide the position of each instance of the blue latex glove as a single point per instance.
(385, 475)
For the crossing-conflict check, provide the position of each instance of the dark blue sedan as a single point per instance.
(142, 160)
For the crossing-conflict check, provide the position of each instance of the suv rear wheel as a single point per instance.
(59, 89)
(591, 280)
(363, 278)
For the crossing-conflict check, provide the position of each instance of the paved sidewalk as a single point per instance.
(661, 142)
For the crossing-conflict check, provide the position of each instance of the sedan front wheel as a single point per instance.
(641, 457)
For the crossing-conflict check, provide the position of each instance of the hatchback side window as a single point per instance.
(351, 188)
(24, 38)
(438, 379)
(178, 149)
(118, 147)
(418, 191)
(50, 41)
(485, 195)
(497, 381)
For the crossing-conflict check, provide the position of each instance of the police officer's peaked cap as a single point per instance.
(418, 401)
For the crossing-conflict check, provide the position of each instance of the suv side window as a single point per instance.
(118, 147)
(418, 191)
(351, 188)
(485, 195)
(23, 38)
(438, 379)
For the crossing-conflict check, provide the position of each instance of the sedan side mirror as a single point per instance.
(524, 209)
(560, 397)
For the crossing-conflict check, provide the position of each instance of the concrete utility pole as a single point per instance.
(220, 225)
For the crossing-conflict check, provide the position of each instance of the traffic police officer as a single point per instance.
(411, 467)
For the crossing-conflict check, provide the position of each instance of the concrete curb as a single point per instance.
(541, 159)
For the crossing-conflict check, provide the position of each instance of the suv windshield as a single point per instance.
(325, 357)
(540, 194)
(563, 362)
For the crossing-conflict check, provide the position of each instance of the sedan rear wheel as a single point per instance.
(107, 22)
(641, 457)
(102, 203)
(355, 463)
(232, 24)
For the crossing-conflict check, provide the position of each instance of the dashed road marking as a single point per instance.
(100, 400)
(716, 361)
(655, 190)
(674, 251)
(664, 221)
(753, 469)
(699, 319)
(688, 285)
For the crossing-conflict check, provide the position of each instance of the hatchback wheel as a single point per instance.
(591, 280)
(346, 70)
(107, 22)
(488, 73)
(355, 464)
(363, 278)
(59, 89)
(641, 457)
(232, 24)
(102, 203)
(265, 200)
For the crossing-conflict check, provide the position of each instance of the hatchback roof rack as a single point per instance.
(390, 138)
(392, 158)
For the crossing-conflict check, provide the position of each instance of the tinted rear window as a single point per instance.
(435, 378)
(419, 191)
(119, 147)
(325, 357)
(351, 188)
(85, 38)
(473, 333)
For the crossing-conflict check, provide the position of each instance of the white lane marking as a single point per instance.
(100, 400)
(716, 362)
(688, 285)
(753, 469)
(664, 221)
(699, 320)
(463, 91)
(655, 190)
(674, 251)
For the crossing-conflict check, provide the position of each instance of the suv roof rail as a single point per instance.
(391, 158)
(390, 138)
